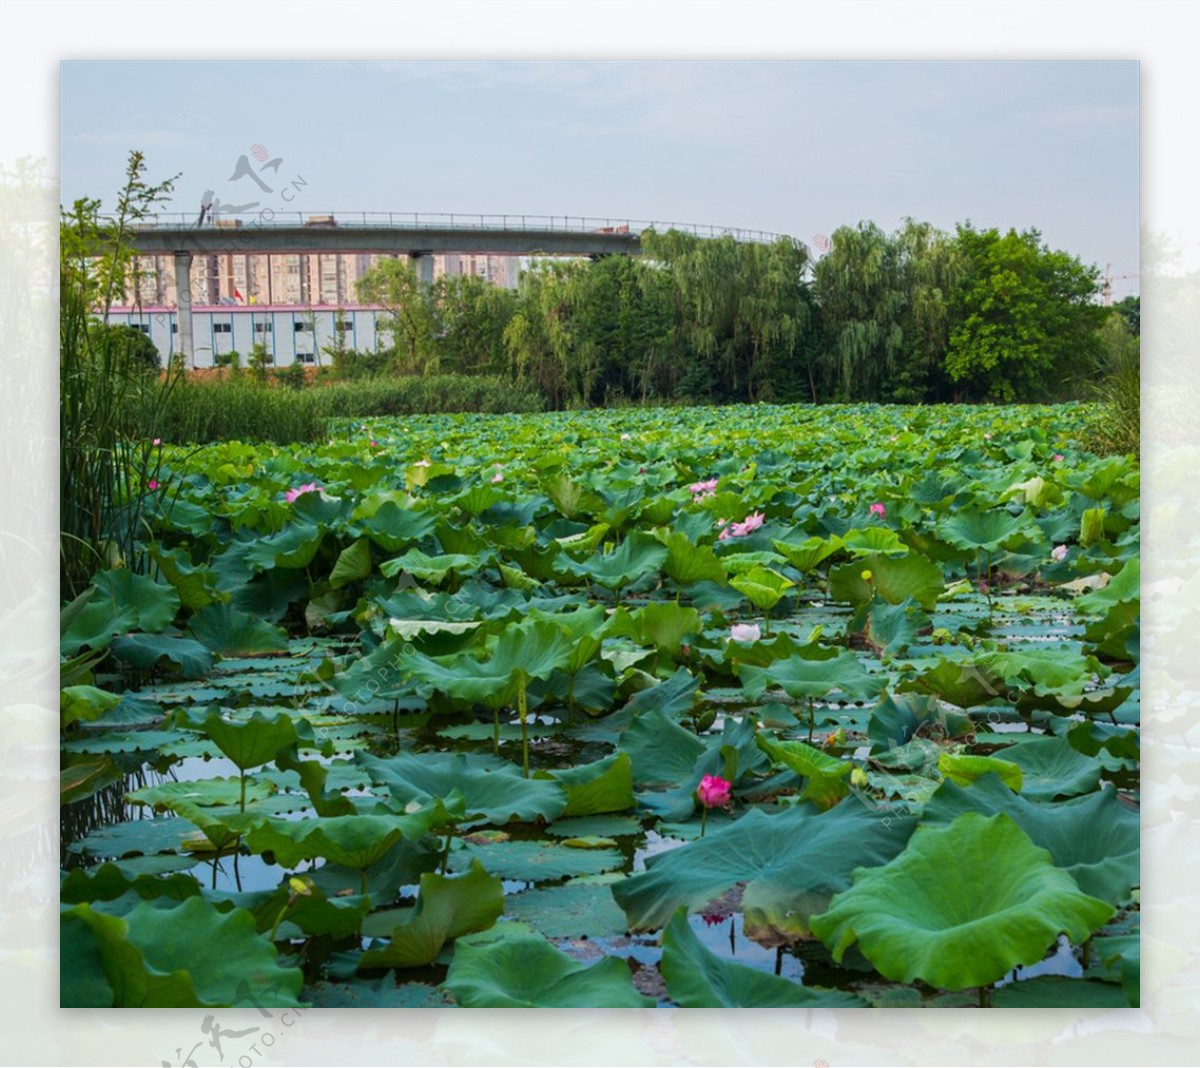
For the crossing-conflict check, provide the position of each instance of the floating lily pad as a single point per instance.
(928, 915)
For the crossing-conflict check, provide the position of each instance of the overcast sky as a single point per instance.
(792, 147)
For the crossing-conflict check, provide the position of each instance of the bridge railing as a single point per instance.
(577, 224)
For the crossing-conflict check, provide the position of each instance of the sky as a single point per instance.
(793, 147)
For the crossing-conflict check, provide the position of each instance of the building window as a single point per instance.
(263, 328)
(143, 327)
(222, 328)
(305, 357)
(174, 328)
(300, 328)
(345, 327)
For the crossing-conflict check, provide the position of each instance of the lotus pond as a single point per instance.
(769, 706)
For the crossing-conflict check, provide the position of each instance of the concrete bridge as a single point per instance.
(416, 235)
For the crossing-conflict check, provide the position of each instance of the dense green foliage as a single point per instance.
(424, 714)
(914, 316)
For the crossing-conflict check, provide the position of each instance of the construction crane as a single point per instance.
(1109, 278)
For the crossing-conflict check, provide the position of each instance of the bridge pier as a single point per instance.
(183, 293)
(422, 263)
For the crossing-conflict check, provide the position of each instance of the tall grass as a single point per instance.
(109, 401)
(1117, 427)
(242, 408)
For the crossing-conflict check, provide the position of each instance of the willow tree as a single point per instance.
(538, 336)
(741, 310)
(859, 285)
(932, 269)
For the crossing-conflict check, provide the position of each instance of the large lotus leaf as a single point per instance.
(894, 578)
(493, 790)
(965, 768)
(972, 530)
(965, 683)
(594, 789)
(352, 841)
(661, 751)
(579, 908)
(313, 777)
(805, 555)
(430, 568)
(446, 908)
(1124, 587)
(801, 677)
(230, 632)
(898, 717)
(194, 584)
(662, 624)
(891, 628)
(353, 564)
(108, 882)
(1059, 992)
(688, 562)
(120, 601)
(961, 906)
(146, 837)
(825, 776)
(763, 587)
(311, 913)
(524, 971)
(881, 540)
(217, 791)
(698, 979)
(146, 650)
(387, 878)
(638, 555)
(251, 742)
(791, 863)
(1052, 768)
(85, 778)
(1047, 671)
(1094, 838)
(536, 861)
(1035, 491)
(742, 563)
(293, 547)
(85, 703)
(391, 526)
(189, 956)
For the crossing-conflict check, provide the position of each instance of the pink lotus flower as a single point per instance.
(713, 791)
(152, 484)
(307, 487)
(703, 489)
(747, 526)
(987, 437)
(625, 437)
(725, 534)
(1059, 553)
(1058, 457)
(374, 444)
(499, 475)
(156, 441)
(745, 632)
(877, 509)
(422, 463)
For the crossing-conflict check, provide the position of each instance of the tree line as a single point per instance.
(918, 315)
